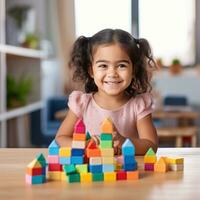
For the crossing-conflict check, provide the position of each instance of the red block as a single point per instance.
(34, 171)
(55, 167)
(121, 175)
(149, 166)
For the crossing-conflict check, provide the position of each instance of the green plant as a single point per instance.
(176, 61)
(31, 41)
(19, 13)
(18, 91)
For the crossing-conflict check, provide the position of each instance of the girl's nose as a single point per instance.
(112, 72)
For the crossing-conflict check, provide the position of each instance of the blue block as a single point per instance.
(38, 179)
(77, 160)
(44, 171)
(53, 150)
(95, 168)
(130, 167)
(54, 144)
(77, 152)
(108, 168)
(65, 160)
(128, 148)
(129, 159)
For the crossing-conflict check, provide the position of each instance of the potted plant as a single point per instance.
(18, 91)
(176, 66)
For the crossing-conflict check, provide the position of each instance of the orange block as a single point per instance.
(107, 126)
(93, 152)
(161, 165)
(132, 175)
(78, 136)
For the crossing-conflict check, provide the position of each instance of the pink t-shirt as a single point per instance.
(124, 118)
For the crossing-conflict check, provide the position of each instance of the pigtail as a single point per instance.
(80, 59)
(144, 67)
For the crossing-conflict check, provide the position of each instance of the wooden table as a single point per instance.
(185, 125)
(151, 185)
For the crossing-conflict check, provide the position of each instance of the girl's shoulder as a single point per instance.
(78, 101)
(143, 104)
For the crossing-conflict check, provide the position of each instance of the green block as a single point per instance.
(72, 178)
(106, 144)
(97, 177)
(150, 152)
(105, 136)
(41, 159)
(82, 168)
(69, 169)
(88, 137)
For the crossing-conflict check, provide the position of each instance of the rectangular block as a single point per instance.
(121, 175)
(76, 144)
(105, 136)
(65, 160)
(77, 160)
(65, 152)
(108, 168)
(86, 177)
(130, 167)
(174, 160)
(83, 168)
(149, 166)
(97, 177)
(106, 144)
(95, 160)
(128, 151)
(78, 136)
(107, 152)
(77, 152)
(129, 159)
(176, 167)
(63, 176)
(53, 159)
(69, 169)
(132, 175)
(93, 152)
(95, 168)
(108, 160)
(109, 176)
(53, 150)
(150, 159)
(35, 179)
(55, 176)
(34, 171)
(72, 178)
(55, 167)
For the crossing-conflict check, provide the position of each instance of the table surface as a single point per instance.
(151, 185)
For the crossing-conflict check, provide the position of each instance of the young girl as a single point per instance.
(114, 67)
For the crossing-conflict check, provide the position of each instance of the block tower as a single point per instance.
(149, 160)
(36, 170)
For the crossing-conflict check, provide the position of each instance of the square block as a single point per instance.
(128, 151)
(107, 160)
(95, 160)
(107, 152)
(72, 178)
(54, 167)
(69, 169)
(65, 152)
(86, 177)
(97, 177)
(150, 159)
(56, 176)
(130, 167)
(83, 168)
(121, 175)
(109, 176)
(35, 179)
(77, 144)
(95, 168)
(78, 136)
(108, 168)
(65, 160)
(77, 152)
(77, 160)
(129, 159)
(132, 175)
(53, 150)
(105, 136)
(106, 144)
(53, 159)
(93, 152)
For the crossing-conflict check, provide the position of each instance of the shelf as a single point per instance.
(21, 111)
(21, 51)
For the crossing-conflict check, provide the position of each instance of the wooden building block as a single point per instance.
(77, 144)
(55, 167)
(109, 176)
(121, 175)
(161, 165)
(106, 144)
(107, 152)
(97, 177)
(149, 166)
(69, 169)
(95, 160)
(78, 136)
(132, 175)
(93, 152)
(79, 127)
(83, 168)
(107, 126)
(73, 178)
(53, 159)
(128, 148)
(150, 159)
(107, 160)
(54, 176)
(65, 152)
(150, 152)
(86, 177)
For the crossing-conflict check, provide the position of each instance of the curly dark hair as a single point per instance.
(138, 50)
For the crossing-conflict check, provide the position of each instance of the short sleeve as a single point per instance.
(143, 105)
(77, 102)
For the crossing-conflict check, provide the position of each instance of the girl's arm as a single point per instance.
(147, 136)
(65, 132)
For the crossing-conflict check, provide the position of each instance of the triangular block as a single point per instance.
(107, 126)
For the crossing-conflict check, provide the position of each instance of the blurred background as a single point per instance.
(35, 42)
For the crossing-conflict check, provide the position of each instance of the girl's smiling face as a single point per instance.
(111, 69)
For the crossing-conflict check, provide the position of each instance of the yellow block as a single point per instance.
(174, 160)
(150, 159)
(65, 152)
(161, 165)
(86, 177)
(107, 152)
(109, 176)
(56, 176)
(63, 176)
(108, 160)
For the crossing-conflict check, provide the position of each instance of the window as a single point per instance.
(169, 26)
(92, 16)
